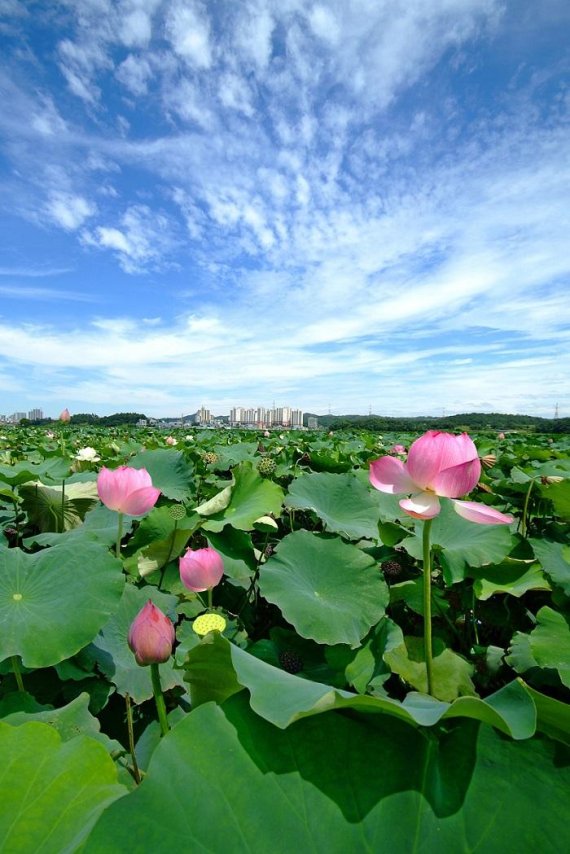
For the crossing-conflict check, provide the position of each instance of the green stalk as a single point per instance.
(136, 772)
(63, 505)
(17, 673)
(159, 699)
(210, 598)
(427, 605)
(119, 536)
(525, 509)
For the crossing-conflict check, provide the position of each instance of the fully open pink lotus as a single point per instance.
(151, 636)
(438, 465)
(127, 490)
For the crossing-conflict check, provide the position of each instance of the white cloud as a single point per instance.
(136, 28)
(188, 30)
(68, 210)
(140, 242)
(134, 73)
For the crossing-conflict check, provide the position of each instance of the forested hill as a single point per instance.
(469, 421)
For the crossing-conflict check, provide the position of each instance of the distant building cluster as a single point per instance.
(262, 417)
(16, 417)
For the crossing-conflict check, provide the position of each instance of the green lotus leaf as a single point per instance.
(555, 561)
(216, 669)
(251, 497)
(329, 590)
(54, 602)
(463, 544)
(224, 779)
(548, 645)
(345, 505)
(168, 470)
(52, 792)
(515, 577)
(70, 721)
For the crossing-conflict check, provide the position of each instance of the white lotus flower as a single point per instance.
(87, 455)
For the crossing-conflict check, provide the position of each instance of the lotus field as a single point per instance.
(231, 641)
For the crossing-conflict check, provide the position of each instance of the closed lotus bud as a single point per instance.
(151, 636)
(488, 461)
(551, 478)
(201, 569)
(65, 416)
(500, 436)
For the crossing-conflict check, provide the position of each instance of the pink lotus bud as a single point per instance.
(170, 440)
(151, 636)
(201, 569)
(127, 490)
(500, 436)
(397, 449)
(65, 416)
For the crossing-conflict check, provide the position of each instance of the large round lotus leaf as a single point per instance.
(548, 645)
(345, 505)
(217, 669)
(223, 779)
(168, 470)
(463, 543)
(112, 651)
(54, 602)
(252, 496)
(52, 793)
(329, 590)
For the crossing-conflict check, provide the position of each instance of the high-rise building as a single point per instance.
(16, 417)
(35, 414)
(203, 416)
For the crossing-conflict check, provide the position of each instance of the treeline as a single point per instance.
(115, 420)
(494, 421)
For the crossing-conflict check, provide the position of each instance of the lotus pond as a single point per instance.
(262, 643)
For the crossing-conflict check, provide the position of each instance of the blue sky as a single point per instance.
(340, 204)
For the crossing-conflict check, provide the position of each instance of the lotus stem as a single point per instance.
(17, 673)
(524, 526)
(159, 699)
(119, 536)
(427, 605)
(210, 598)
(63, 505)
(136, 772)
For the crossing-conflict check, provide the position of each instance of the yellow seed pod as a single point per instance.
(208, 623)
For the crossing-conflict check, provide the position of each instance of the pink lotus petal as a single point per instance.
(389, 474)
(151, 636)
(140, 501)
(480, 513)
(457, 480)
(201, 569)
(424, 505)
(127, 490)
(434, 451)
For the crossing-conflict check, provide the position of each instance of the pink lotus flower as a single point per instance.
(127, 490)
(397, 449)
(438, 464)
(500, 436)
(201, 569)
(151, 636)
(170, 440)
(65, 416)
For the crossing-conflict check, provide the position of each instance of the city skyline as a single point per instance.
(351, 204)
